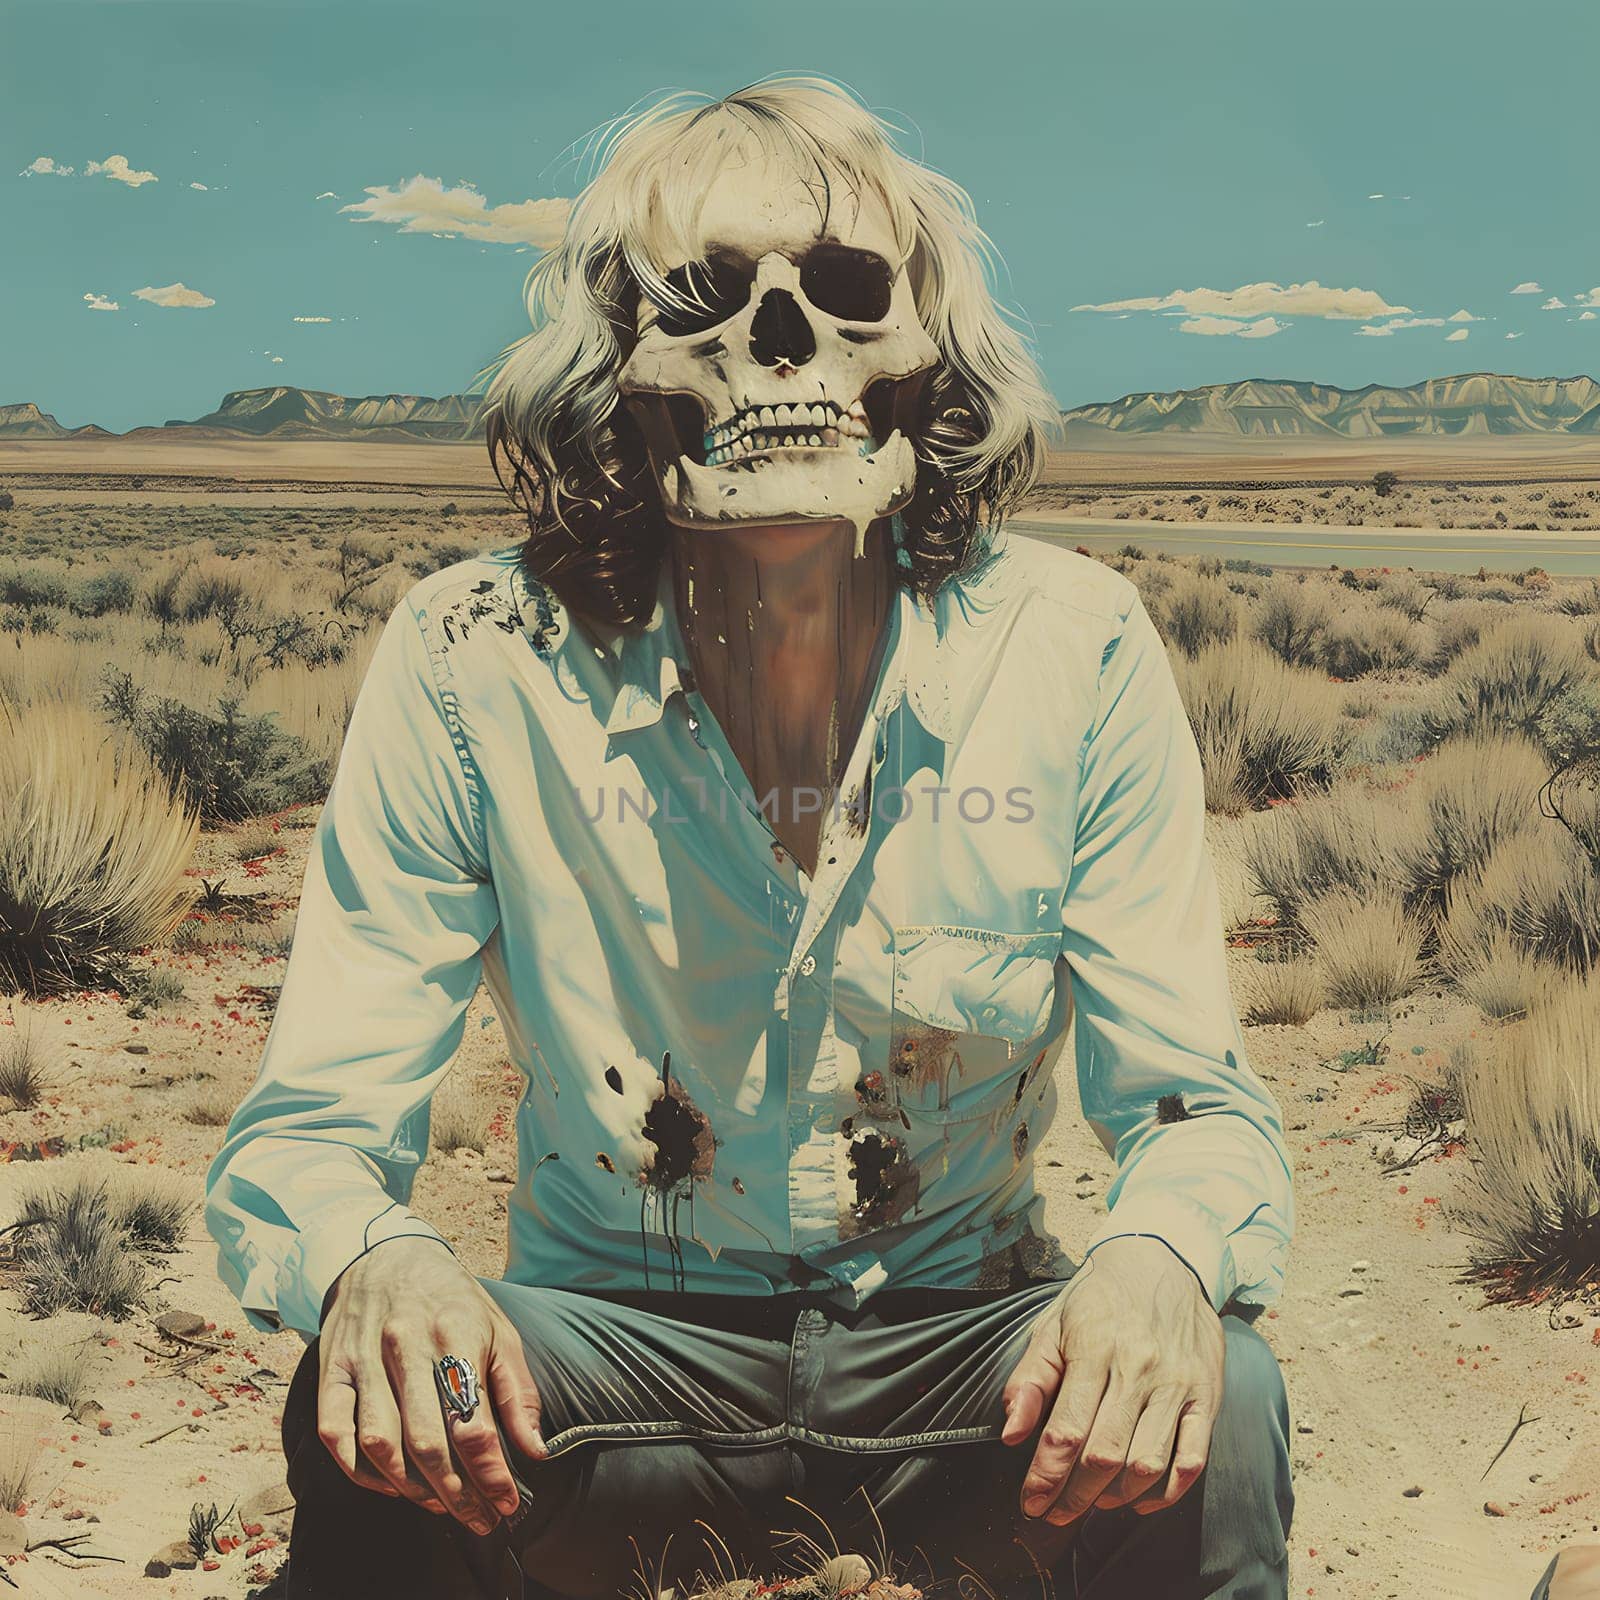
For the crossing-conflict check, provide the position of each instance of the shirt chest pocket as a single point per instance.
(971, 1011)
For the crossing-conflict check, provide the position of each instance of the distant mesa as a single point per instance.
(288, 413)
(1264, 408)
(27, 421)
(1474, 403)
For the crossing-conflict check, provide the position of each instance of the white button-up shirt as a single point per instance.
(739, 1077)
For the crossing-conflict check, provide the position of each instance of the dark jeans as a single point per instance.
(691, 1430)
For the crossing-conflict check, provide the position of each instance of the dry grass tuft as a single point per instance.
(1341, 840)
(211, 1107)
(1285, 992)
(1195, 611)
(58, 1373)
(19, 1456)
(1504, 682)
(459, 1117)
(1473, 793)
(74, 1255)
(1265, 729)
(93, 847)
(1533, 1115)
(1368, 947)
(24, 1074)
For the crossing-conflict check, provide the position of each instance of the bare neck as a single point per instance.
(783, 627)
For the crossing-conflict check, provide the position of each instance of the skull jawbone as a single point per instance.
(830, 486)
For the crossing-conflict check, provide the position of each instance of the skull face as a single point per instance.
(777, 389)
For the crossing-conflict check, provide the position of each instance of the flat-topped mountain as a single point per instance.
(27, 421)
(284, 412)
(1472, 403)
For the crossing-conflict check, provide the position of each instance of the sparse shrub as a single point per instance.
(1533, 1116)
(459, 1119)
(1288, 992)
(152, 1208)
(1360, 704)
(1469, 796)
(7, 501)
(57, 1373)
(1407, 596)
(74, 1255)
(1498, 977)
(210, 1108)
(1368, 947)
(93, 847)
(1538, 893)
(1290, 621)
(1327, 842)
(252, 843)
(105, 591)
(19, 1456)
(1505, 681)
(1569, 725)
(1265, 729)
(1196, 611)
(1402, 736)
(1582, 600)
(1385, 482)
(231, 764)
(1361, 639)
(24, 1077)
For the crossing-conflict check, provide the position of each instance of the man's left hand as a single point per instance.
(1125, 1369)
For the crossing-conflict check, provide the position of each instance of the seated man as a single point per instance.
(792, 814)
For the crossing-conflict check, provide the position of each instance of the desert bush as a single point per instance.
(1284, 992)
(253, 842)
(73, 1255)
(1533, 1116)
(210, 1107)
(1360, 639)
(93, 847)
(1265, 729)
(1495, 974)
(1408, 596)
(1538, 893)
(112, 590)
(1340, 840)
(19, 1448)
(1581, 600)
(1471, 794)
(1403, 736)
(58, 1373)
(1291, 620)
(1506, 681)
(230, 764)
(1569, 726)
(1197, 610)
(1368, 947)
(24, 1073)
(152, 1207)
(1360, 704)
(459, 1118)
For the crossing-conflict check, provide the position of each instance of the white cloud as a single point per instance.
(277, 361)
(1462, 315)
(1374, 197)
(1530, 287)
(117, 167)
(1587, 316)
(1460, 333)
(1415, 322)
(327, 194)
(1587, 297)
(1376, 331)
(1318, 223)
(1554, 303)
(1513, 336)
(1309, 299)
(313, 319)
(424, 205)
(99, 302)
(173, 295)
(45, 166)
(1264, 329)
(200, 186)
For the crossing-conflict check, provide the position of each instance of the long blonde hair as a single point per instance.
(571, 455)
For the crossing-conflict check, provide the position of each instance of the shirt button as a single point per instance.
(808, 966)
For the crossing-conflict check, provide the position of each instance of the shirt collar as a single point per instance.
(652, 663)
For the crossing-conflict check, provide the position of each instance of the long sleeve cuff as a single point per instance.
(1192, 1233)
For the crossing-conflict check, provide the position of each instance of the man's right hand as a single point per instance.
(393, 1312)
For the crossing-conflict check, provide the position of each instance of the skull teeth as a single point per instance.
(801, 424)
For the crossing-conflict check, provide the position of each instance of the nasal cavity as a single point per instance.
(780, 331)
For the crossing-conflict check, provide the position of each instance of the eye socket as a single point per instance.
(711, 291)
(853, 285)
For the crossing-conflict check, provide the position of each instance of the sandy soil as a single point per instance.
(1403, 1385)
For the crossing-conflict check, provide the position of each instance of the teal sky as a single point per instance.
(1125, 150)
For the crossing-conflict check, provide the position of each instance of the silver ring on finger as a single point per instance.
(459, 1389)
